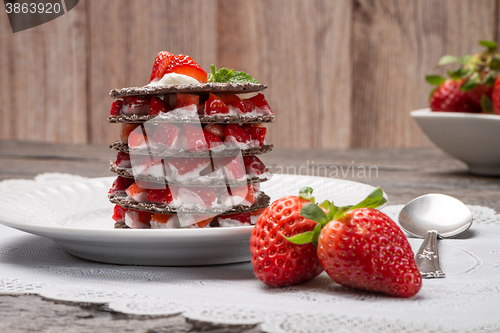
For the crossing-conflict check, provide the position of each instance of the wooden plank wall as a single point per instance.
(341, 73)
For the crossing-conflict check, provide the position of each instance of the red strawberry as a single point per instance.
(449, 97)
(123, 160)
(477, 93)
(120, 185)
(166, 62)
(256, 132)
(216, 129)
(260, 102)
(496, 96)
(366, 250)
(185, 165)
(204, 196)
(119, 213)
(187, 99)
(166, 134)
(162, 60)
(234, 133)
(116, 107)
(160, 195)
(253, 165)
(214, 105)
(156, 106)
(136, 105)
(276, 261)
(362, 248)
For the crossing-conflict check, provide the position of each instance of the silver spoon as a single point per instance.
(432, 216)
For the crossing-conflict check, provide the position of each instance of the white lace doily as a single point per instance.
(466, 300)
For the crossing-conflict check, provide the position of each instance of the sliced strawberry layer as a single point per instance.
(120, 184)
(166, 134)
(160, 196)
(136, 219)
(253, 165)
(185, 165)
(137, 192)
(233, 166)
(137, 139)
(260, 102)
(228, 98)
(126, 130)
(245, 106)
(203, 223)
(123, 160)
(237, 133)
(216, 129)
(243, 218)
(256, 133)
(157, 106)
(184, 100)
(119, 213)
(164, 221)
(214, 105)
(116, 107)
(247, 193)
(195, 138)
(136, 105)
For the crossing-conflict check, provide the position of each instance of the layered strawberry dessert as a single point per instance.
(188, 148)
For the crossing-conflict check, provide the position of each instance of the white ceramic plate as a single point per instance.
(77, 216)
(469, 137)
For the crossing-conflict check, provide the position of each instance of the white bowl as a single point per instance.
(471, 138)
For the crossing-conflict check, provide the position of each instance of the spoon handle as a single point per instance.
(427, 258)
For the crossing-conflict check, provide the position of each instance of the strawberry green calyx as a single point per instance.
(316, 213)
(224, 75)
(306, 193)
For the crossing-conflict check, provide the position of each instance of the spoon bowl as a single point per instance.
(432, 216)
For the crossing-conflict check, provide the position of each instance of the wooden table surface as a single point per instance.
(402, 173)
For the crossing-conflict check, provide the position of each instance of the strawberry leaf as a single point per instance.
(434, 79)
(495, 62)
(341, 212)
(448, 59)
(306, 237)
(325, 204)
(471, 83)
(489, 80)
(306, 193)
(373, 200)
(229, 75)
(332, 211)
(491, 46)
(313, 212)
(487, 104)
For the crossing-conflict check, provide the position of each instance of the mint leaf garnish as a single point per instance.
(224, 75)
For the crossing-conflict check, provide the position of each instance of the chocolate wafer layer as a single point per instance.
(218, 119)
(123, 147)
(236, 88)
(123, 201)
(215, 182)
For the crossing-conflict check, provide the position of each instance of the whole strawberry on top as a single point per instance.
(470, 87)
(362, 248)
(276, 261)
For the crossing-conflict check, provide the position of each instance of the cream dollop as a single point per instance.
(173, 78)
